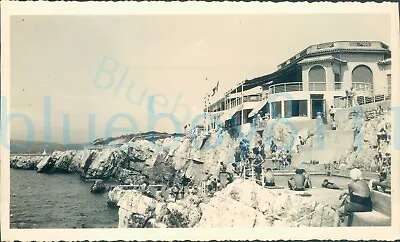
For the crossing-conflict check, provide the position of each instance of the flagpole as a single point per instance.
(242, 105)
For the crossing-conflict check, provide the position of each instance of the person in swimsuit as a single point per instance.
(330, 185)
(298, 181)
(357, 199)
(269, 180)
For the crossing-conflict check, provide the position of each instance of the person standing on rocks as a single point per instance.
(273, 147)
(258, 169)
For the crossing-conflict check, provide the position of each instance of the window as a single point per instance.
(362, 78)
(295, 108)
(338, 83)
(276, 109)
(317, 78)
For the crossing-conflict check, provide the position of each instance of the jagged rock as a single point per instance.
(152, 223)
(182, 214)
(114, 195)
(98, 187)
(161, 211)
(46, 164)
(80, 160)
(135, 209)
(24, 162)
(63, 160)
(226, 212)
(106, 163)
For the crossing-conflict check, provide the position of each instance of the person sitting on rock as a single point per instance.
(288, 158)
(175, 192)
(357, 199)
(195, 190)
(284, 159)
(236, 169)
(222, 167)
(299, 181)
(269, 180)
(274, 159)
(381, 136)
(307, 182)
(384, 184)
(143, 187)
(330, 185)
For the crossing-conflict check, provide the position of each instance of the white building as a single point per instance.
(310, 82)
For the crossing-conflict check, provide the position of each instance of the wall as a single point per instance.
(368, 59)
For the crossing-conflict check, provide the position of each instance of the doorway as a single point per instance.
(317, 105)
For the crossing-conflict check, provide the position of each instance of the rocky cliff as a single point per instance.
(241, 204)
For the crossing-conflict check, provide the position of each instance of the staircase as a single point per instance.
(333, 144)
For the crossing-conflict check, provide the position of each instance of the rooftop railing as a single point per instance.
(286, 87)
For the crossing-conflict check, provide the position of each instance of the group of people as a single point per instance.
(213, 184)
(259, 122)
(247, 159)
(282, 158)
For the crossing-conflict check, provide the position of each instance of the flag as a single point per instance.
(215, 89)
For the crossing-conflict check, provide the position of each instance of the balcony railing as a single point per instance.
(286, 87)
(338, 86)
(361, 86)
(365, 98)
(317, 86)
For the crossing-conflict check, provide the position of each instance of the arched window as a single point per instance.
(362, 77)
(317, 78)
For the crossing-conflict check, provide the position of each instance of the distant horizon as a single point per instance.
(76, 143)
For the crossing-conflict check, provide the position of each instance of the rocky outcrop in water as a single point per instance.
(25, 162)
(139, 156)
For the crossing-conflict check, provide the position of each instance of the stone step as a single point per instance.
(382, 202)
(366, 219)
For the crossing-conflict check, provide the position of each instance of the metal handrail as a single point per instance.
(286, 87)
(378, 95)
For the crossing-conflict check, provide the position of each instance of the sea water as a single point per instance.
(57, 201)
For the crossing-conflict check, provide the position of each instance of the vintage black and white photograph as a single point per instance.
(273, 120)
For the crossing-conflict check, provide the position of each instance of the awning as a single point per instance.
(258, 108)
(229, 113)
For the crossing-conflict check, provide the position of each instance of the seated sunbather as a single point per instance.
(300, 181)
(357, 199)
(269, 180)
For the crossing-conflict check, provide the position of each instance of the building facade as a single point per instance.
(310, 82)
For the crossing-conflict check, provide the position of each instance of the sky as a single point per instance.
(77, 78)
